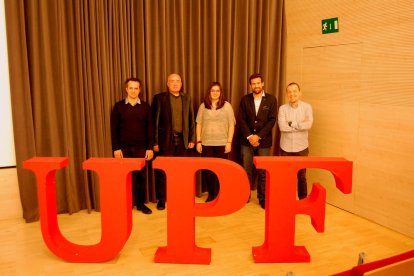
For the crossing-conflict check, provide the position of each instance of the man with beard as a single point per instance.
(256, 118)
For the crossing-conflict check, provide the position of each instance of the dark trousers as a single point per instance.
(178, 149)
(247, 154)
(208, 177)
(139, 187)
(301, 175)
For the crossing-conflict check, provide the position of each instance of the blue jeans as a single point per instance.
(247, 153)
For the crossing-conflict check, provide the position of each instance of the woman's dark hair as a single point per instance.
(207, 98)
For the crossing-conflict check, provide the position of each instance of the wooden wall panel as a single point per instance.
(386, 169)
(360, 83)
(335, 107)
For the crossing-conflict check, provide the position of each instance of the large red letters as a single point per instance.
(116, 202)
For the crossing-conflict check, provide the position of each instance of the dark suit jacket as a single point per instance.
(261, 124)
(162, 116)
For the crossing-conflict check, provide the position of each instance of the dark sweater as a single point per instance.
(132, 126)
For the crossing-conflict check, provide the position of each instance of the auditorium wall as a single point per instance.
(360, 83)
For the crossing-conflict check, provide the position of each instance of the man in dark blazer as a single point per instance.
(256, 118)
(174, 128)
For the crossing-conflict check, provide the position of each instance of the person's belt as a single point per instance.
(177, 134)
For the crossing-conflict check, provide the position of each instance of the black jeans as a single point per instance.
(208, 177)
(177, 149)
(139, 187)
(302, 183)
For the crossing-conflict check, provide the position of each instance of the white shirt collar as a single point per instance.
(138, 101)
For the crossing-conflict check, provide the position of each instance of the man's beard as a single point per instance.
(255, 91)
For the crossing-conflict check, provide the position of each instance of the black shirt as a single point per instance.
(132, 126)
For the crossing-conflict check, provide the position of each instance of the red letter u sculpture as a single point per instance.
(182, 209)
(282, 206)
(116, 205)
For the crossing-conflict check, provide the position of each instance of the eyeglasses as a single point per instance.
(215, 90)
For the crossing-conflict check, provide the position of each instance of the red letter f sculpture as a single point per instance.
(282, 206)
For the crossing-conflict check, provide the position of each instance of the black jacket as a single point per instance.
(162, 116)
(261, 124)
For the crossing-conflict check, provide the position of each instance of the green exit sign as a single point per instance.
(330, 25)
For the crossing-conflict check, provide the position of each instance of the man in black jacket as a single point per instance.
(132, 134)
(174, 128)
(256, 118)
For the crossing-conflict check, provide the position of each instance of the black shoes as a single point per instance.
(161, 204)
(262, 203)
(210, 198)
(143, 208)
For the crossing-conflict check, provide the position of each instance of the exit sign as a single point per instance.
(330, 25)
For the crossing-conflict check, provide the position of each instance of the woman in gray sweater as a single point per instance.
(214, 130)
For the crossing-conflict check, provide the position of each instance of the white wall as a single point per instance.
(7, 154)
